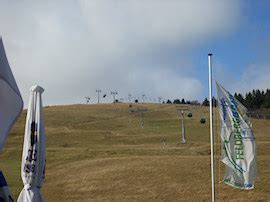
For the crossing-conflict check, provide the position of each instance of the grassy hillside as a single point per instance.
(101, 153)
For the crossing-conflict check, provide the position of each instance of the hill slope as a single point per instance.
(101, 153)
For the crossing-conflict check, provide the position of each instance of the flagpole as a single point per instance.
(211, 126)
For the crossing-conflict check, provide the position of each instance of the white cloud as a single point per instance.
(256, 76)
(73, 47)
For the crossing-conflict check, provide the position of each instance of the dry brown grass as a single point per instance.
(100, 153)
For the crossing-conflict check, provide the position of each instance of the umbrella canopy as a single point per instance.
(11, 102)
(33, 157)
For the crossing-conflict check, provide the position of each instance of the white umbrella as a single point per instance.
(33, 157)
(11, 102)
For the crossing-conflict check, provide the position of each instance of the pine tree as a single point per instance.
(183, 101)
(205, 102)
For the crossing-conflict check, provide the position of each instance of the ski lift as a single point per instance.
(202, 120)
(87, 99)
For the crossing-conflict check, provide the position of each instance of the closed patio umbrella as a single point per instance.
(33, 157)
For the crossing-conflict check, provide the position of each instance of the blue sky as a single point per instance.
(248, 44)
(154, 47)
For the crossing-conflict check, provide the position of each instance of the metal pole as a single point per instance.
(143, 96)
(183, 129)
(114, 93)
(211, 127)
(98, 91)
(142, 124)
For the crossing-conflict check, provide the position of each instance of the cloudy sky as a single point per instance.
(151, 47)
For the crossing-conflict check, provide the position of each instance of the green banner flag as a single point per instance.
(238, 142)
